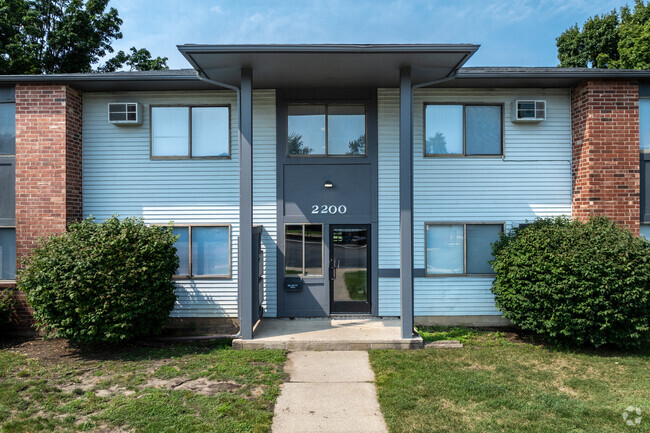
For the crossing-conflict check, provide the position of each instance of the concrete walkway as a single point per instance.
(328, 392)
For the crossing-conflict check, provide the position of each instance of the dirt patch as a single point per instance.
(201, 386)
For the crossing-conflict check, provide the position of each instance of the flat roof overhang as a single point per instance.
(287, 66)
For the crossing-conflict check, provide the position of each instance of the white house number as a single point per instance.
(328, 209)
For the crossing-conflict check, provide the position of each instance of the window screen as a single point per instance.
(483, 130)
(479, 248)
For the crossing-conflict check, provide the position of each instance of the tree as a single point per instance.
(613, 40)
(59, 36)
(137, 60)
(358, 146)
(437, 144)
(296, 146)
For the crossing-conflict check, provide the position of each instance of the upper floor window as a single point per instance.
(463, 130)
(190, 132)
(326, 130)
(7, 121)
(644, 124)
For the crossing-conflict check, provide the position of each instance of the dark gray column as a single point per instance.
(406, 201)
(245, 255)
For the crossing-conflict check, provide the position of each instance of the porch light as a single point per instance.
(329, 184)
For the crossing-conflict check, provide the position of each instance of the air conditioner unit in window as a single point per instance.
(124, 113)
(528, 110)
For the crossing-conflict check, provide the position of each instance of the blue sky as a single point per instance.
(511, 33)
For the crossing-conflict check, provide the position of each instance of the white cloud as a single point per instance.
(217, 9)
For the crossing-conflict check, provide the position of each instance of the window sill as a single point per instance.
(188, 158)
(201, 277)
(460, 275)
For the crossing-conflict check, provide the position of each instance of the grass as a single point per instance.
(356, 283)
(495, 385)
(142, 389)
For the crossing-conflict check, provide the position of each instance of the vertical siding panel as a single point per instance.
(264, 190)
(119, 178)
(388, 198)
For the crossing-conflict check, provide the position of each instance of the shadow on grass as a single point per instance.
(485, 336)
(61, 350)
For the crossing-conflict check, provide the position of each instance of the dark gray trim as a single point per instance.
(327, 48)
(245, 252)
(644, 158)
(366, 96)
(388, 273)
(644, 90)
(406, 201)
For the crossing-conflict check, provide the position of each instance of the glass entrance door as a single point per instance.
(349, 275)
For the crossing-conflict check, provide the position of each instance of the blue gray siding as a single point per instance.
(533, 179)
(119, 178)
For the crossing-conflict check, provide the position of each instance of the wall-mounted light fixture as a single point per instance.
(328, 184)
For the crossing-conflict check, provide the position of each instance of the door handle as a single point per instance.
(332, 270)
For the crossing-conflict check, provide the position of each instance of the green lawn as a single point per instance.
(177, 388)
(495, 385)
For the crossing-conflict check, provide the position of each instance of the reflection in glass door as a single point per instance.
(349, 259)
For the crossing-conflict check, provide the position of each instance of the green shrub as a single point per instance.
(107, 282)
(6, 305)
(575, 283)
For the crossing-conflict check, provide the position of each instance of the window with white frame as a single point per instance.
(203, 251)
(460, 249)
(463, 130)
(190, 132)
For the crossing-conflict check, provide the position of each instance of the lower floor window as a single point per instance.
(303, 250)
(7, 253)
(203, 251)
(645, 231)
(460, 249)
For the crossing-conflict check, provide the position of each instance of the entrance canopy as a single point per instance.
(277, 66)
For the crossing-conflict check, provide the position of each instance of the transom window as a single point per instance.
(203, 251)
(303, 250)
(326, 130)
(190, 132)
(460, 249)
(463, 130)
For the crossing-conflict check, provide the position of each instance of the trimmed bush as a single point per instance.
(575, 283)
(109, 282)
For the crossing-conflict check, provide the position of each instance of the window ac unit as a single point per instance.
(124, 113)
(528, 110)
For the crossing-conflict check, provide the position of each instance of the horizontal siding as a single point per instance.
(265, 190)
(532, 179)
(119, 178)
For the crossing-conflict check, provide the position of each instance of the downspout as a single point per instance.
(238, 92)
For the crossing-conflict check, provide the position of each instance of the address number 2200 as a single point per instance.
(328, 209)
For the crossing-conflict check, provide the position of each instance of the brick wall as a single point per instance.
(48, 165)
(605, 130)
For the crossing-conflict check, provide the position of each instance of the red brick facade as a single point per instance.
(48, 166)
(48, 162)
(605, 130)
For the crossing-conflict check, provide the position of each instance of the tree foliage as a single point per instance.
(575, 283)
(109, 282)
(136, 60)
(59, 36)
(617, 40)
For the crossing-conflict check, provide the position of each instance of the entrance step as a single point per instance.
(328, 334)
